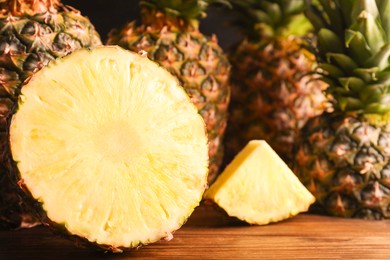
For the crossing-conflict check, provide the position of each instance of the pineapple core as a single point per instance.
(111, 146)
(259, 188)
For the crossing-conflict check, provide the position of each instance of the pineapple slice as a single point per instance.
(111, 146)
(259, 188)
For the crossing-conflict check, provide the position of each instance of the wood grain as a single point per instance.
(209, 234)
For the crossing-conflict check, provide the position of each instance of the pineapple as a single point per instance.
(259, 188)
(273, 90)
(170, 35)
(109, 147)
(343, 157)
(32, 33)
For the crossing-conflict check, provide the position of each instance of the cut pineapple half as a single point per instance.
(111, 146)
(259, 188)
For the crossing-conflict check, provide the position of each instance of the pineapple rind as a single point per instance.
(29, 40)
(344, 161)
(343, 157)
(274, 93)
(125, 150)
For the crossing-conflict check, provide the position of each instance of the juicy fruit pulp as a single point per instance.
(259, 188)
(111, 146)
(32, 33)
(196, 60)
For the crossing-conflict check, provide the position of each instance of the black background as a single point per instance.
(109, 14)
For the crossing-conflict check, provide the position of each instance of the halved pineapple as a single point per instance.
(111, 146)
(259, 188)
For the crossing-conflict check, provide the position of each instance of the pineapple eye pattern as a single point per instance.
(6, 105)
(196, 97)
(223, 67)
(192, 69)
(145, 42)
(207, 53)
(37, 36)
(370, 214)
(10, 45)
(167, 53)
(9, 83)
(384, 143)
(209, 115)
(367, 157)
(36, 61)
(341, 203)
(211, 87)
(342, 144)
(385, 174)
(186, 40)
(347, 178)
(373, 193)
(64, 43)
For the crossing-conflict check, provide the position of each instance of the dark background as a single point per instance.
(109, 14)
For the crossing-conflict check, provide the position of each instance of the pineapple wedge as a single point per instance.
(111, 147)
(259, 188)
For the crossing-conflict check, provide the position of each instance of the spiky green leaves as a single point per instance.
(271, 17)
(185, 9)
(354, 47)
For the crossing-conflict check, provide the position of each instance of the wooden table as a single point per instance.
(211, 235)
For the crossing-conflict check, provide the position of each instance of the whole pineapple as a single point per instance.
(273, 89)
(170, 35)
(344, 155)
(32, 33)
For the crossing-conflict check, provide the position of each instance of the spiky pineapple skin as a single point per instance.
(27, 43)
(197, 61)
(344, 160)
(273, 94)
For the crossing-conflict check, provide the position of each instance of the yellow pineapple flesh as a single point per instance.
(197, 61)
(111, 146)
(259, 188)
(32, 34)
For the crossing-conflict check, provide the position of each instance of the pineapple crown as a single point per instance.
(271, 18)
(31, 7)
(188, 11)
(353, 51)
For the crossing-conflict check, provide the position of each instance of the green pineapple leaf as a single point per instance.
(185, 9)
(381, 59)
(270, 17)
(384, 11)
(354, 52)
(343, 61)
(367, 25)
(332, 70)
(328, 41)
(357, 46)
(354, 84)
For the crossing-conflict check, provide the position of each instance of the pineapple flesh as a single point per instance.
(32, 33)
(111, 147)
(173, 40)
(343, 156)
(259, 188)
